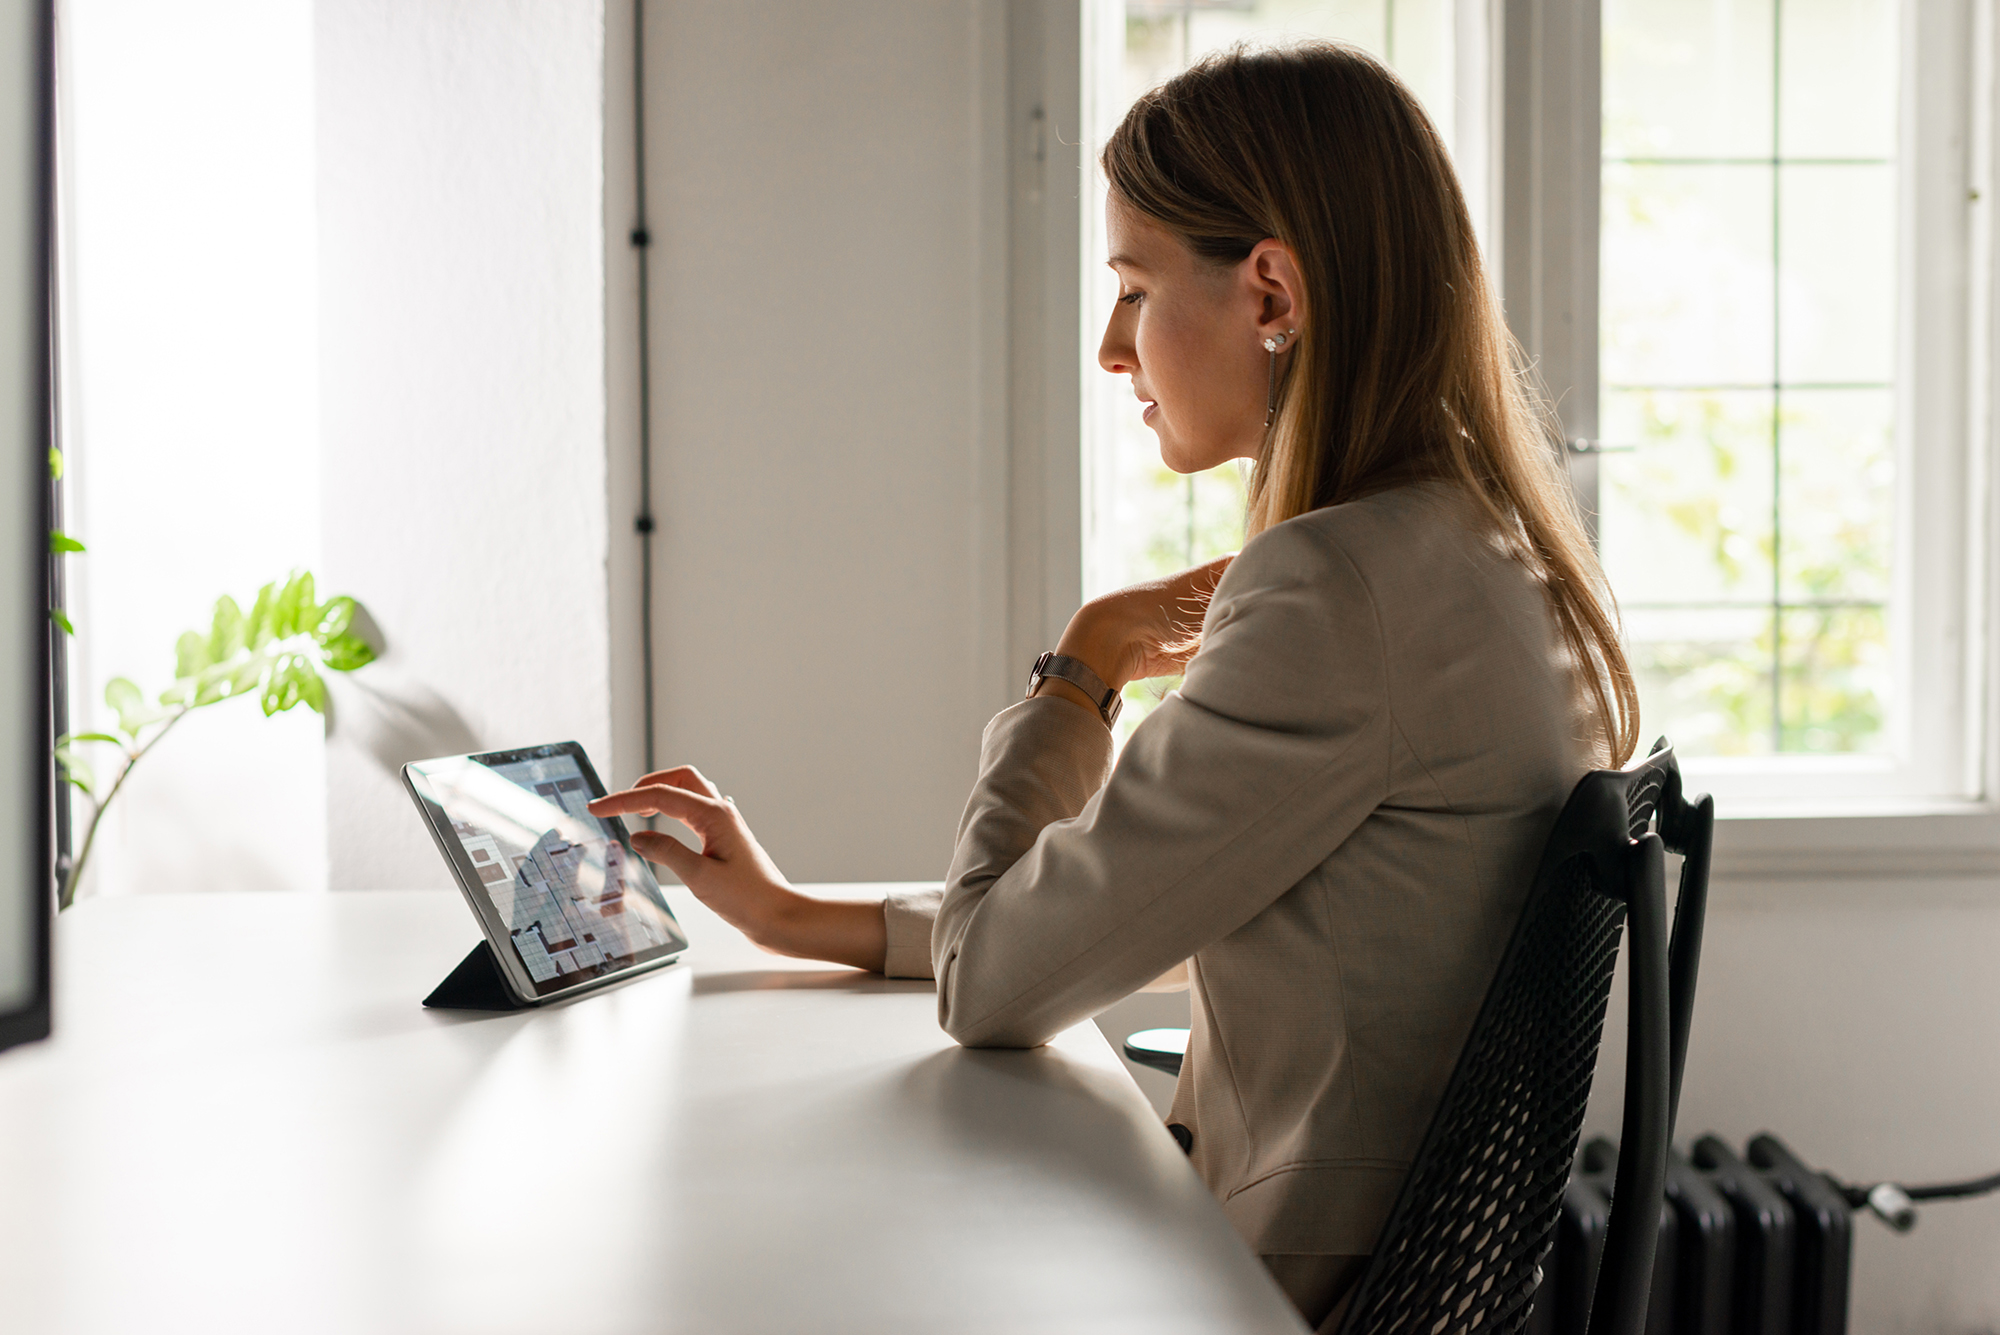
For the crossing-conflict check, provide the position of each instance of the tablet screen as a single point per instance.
(575, 902)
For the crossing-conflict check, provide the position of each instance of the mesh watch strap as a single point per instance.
(1106, 698)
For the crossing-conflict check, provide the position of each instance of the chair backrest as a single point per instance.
(1463, 1246)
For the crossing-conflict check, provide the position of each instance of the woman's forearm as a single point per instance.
(842, 931)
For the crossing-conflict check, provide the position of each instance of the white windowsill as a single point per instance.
(1857, 841)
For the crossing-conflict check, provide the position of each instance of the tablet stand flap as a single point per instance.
(475, 985)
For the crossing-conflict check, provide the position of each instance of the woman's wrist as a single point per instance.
(841, 931)
(777, 921)
(1094, 639)
(1069, 691)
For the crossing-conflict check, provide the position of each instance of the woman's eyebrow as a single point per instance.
(1124, 262)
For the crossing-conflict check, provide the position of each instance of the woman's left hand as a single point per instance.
(1147, 630)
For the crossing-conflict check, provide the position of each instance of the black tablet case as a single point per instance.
(475, 985)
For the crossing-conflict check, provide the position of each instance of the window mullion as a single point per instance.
(1549, 108)
(1940, 505)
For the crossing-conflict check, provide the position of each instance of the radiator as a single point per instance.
(1751, 1245)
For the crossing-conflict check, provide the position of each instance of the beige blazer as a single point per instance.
(1336, 818)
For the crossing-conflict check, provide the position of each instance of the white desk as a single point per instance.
(246, 1122)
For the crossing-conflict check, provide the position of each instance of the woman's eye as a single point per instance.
(1130, 298)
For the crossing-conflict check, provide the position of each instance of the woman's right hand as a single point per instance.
(1150, 629)
(733, 875)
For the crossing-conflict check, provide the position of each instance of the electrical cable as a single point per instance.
(642, 241)
(1895, 1204)
(1946, 1191)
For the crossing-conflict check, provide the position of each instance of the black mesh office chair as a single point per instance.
(1463, 1246)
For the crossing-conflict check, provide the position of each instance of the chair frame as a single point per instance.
(1413, 1282)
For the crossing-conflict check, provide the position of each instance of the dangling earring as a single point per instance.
(1271, 345)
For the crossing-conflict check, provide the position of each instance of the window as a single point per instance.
(1783, 391)
(1745, 243)
(1141, 519)
(190, 413)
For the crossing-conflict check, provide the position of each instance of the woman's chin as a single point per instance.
(1185, 461)
(1174, 454)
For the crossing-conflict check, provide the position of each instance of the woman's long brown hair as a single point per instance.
(1403, 369)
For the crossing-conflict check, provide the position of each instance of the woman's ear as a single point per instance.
(1272, 273)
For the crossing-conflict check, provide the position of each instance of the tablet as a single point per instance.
(564, 901)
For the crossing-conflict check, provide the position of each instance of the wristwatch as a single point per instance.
(1106, 698)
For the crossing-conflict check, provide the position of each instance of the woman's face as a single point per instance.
(1191, 335)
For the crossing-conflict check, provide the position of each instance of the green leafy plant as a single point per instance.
(275, 651)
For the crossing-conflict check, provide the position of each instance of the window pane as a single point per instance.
(1750, 535)
(1685, 281)
(1838, 78)
(1164, 37)
(1837, 255)
(1686, 517)
(1837, 681)
(1687, 78)
(1704, 677)
(1421, 46)
(1838, 475)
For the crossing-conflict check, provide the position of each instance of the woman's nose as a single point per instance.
(1115, 354)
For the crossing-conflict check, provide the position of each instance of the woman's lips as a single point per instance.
(1146, 413)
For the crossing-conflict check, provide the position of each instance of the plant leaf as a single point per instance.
(285, 610)
(344, 653)
(340, 649)
(282, 602)
(312, 689)
(76, 770)
(334, 619)
(55, 464)
(246, 675)
(60, 542)
(122, 694)
(133, 712)
(225, 634)
(191, 655)
(216, 682)
(306, 613)
(257, 626)
(56, 615)
(90, 737)
(281, 690)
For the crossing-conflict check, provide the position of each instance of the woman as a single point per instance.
(1392, 690)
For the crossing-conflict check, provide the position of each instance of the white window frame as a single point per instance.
(1789, 817)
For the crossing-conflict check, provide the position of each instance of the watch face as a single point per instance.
(1038, 671)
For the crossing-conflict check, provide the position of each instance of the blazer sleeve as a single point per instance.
(1065, 895)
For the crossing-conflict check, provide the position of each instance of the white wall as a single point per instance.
(460, 176)
(833, 470)
(190, 412)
